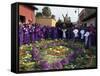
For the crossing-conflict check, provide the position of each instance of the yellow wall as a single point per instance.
(46, 21)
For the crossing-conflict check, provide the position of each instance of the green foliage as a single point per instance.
(53, 16)
(38, 14)
(59, 23)
(26, 47)
(46, 11)
(28, 66)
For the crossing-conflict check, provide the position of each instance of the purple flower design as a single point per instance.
(45, 46)
(57, 65)
(35, 54)
(72, 56)
(44, 65)
(65, 61)
(79, 51)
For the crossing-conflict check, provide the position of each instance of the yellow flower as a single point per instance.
(67, 48)
(61, 47)
(50, 48)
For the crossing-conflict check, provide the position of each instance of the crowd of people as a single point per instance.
(85, 34)
(29, 33)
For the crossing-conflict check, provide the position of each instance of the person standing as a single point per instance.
(75, 31)
(30, 32)
(64, 33)
(82, 32)
(87, 39)
(55, 33)
(21, 33)
(37, 30)
(26, 34)
(60, 33)
(44, 32)
(33, 33)
(93, 34)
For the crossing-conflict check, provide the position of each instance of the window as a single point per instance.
(22, 18)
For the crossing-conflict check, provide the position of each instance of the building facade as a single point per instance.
(88, 16)
(27, 13)
(46, 21)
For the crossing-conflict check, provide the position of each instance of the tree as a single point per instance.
(69, 19)
(38, 14)
(59, 23)
(53, 16)
(46, 11)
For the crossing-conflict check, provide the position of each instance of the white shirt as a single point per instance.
(75, 31)
(86, 36)
(82, 33)
(64, 34)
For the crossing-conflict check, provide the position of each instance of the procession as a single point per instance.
(48, 43)
(29, 33)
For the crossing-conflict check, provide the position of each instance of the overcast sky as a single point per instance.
(58, 11)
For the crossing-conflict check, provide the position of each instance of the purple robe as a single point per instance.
(37, 30)
(55, 33)
(21, 35)
(44, 32)
(33, 33)
(26, 35)
(30, 33)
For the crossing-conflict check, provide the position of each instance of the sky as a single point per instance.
(58, 11)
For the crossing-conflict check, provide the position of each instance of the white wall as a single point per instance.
(5, 25)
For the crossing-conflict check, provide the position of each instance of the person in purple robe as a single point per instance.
(30, 32)
(51, 33)
(93, 34)
(41, 35)
(60, 33)
(69, 33)
(26, 34)
(21, 34)
(44, 32)
(33, 33)
(55, 33)
(37, 30)
(47, 32)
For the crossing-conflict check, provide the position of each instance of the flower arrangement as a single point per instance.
(52, 54)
